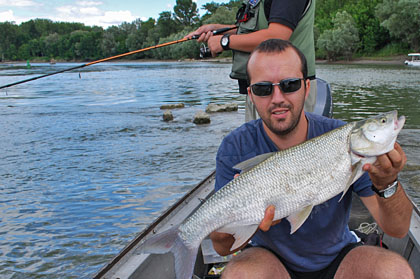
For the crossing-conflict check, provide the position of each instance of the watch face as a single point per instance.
(390, 192)
(225, 41)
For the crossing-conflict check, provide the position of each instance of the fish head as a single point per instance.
(376, 135)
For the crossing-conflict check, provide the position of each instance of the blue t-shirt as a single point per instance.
(319, 240)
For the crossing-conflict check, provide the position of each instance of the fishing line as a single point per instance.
(215, 32)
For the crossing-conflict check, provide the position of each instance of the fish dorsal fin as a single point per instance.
(250, 163)
(297, 219)
(241, 233)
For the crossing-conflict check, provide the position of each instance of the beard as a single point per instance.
(285, 129)
(285, 126)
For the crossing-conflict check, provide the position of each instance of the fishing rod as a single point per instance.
(215, 32)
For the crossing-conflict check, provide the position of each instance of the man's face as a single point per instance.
(280, 112)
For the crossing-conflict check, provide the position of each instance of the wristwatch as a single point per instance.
(388, 192)
(224, 41)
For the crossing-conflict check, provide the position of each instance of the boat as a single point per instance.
(129, 264)
(324, 102)
(414, 61)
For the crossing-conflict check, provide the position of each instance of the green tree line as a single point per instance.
(342, 29)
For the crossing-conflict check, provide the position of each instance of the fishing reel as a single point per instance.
(204, 51)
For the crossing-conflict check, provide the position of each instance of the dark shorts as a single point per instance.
(326, 273)
(329, 271)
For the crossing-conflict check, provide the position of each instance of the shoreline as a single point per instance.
(392, 60)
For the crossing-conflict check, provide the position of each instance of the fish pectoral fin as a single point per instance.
(357, 171)
(250, 163)
(241, 234)
(354, 158)
(298, 218)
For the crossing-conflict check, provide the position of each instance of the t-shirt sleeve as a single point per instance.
(225, 161)
(287, 12)
(362, 186)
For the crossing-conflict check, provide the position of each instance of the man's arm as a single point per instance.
(393, 215)
(283, 18)
(248, 42)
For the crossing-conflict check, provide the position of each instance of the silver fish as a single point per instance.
(293, 180)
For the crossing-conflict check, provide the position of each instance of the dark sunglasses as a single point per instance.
(265, 88)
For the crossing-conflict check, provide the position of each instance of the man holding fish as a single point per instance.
(298, 166)
(315, 242)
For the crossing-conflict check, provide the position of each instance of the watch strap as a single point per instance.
(381, 193)
(225, 46)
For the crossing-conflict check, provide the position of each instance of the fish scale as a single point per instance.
(273, 182)
(293, 180)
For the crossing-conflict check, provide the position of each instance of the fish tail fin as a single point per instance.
(184, 259)
(169, 241)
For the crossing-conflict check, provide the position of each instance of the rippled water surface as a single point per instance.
(86, 161)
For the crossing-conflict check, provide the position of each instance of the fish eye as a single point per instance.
(383, 120)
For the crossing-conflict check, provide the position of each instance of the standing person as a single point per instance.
(257, 21)
(323, 247)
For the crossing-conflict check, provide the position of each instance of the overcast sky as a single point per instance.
(102, 13)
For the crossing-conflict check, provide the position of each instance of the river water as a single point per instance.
(86, 161)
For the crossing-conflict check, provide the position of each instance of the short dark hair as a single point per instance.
(278, 46)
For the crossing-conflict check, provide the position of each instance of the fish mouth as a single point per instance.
(398, 123)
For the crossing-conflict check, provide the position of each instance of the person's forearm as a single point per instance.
(212, 27)
(220, 26)
(248, 42)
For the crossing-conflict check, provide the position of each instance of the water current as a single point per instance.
(86, 161)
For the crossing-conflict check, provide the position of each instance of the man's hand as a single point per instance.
(222, 242)
(205, 32)
(386, 168)
(267, 222)
(214, 44)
